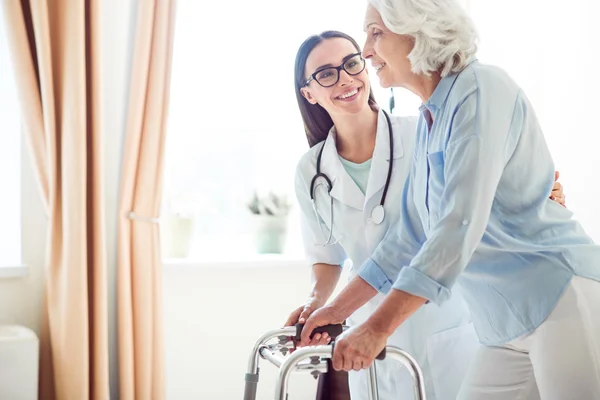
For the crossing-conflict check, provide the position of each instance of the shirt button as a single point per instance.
(465, 222)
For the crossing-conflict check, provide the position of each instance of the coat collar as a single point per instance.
(344, 189)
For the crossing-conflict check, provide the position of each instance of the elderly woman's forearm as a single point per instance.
(397, 307)
(355, 295)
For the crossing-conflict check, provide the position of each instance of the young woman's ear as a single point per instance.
(308, 96)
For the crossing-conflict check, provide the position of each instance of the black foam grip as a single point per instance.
(333, 330)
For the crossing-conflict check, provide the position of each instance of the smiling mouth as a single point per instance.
(349, 95)
(378, 67)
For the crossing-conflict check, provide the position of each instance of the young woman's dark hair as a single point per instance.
(317, 121)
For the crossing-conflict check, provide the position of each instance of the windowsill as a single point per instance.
(13, 271)
(251, 261)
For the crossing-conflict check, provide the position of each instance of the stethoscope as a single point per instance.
(378, 212)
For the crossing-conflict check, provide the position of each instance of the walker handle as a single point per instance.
(333, 330)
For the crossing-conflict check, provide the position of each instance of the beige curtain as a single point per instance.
(141, 358)
(55, 47)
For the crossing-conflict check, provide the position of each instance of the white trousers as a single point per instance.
(560, 360)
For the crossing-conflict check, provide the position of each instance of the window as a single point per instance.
(10, 161)
(234, 124)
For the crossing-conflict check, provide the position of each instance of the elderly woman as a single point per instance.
(529, 273)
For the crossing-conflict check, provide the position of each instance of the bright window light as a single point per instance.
(10, 160)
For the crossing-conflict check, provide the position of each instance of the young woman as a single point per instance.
(355, 173)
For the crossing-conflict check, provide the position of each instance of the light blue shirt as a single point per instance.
(476, 211)
(359, 172)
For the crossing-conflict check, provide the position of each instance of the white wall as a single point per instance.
(214, 314)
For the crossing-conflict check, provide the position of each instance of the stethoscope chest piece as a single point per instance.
(377, 214)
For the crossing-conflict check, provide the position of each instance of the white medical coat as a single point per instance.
(441, 339)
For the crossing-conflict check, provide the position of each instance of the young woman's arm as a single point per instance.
(326, 260)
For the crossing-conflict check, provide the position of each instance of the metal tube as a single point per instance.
(415, 371)
(308, 367)
(372, 386)
(251, 378)
(268, 355)
(288, 366)
(253, 361)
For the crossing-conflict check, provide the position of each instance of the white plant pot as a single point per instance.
(270, 233)
(176, 236)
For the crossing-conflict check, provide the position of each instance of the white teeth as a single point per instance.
(349, 94)
(378, 66)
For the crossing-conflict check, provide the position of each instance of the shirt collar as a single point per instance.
(442, 91)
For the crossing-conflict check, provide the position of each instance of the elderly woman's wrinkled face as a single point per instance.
(387, 51)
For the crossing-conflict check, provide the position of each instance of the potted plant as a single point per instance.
(270, 213)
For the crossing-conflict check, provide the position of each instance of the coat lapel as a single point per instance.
(381, 154)
(344, 188)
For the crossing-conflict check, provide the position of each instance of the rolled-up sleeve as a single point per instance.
(474, 161)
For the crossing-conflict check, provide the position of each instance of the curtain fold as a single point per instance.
(55, 48)
(139, 273)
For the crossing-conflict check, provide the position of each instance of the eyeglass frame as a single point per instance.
(338, 69)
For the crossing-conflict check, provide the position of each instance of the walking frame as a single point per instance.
(313, 359)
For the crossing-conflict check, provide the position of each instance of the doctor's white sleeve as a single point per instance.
(311, 233)
(473, 167)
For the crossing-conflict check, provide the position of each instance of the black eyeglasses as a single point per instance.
(329, 76)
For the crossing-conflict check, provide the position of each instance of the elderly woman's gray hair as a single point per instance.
(445, 36)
